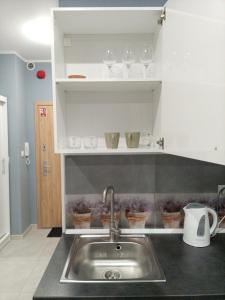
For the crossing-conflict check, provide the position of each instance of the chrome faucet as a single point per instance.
(114, 231)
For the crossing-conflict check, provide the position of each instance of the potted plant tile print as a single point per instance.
(81, 215)
(221, 213)
(105, 216)
(137, 212)
(171, 214)
(69, 214)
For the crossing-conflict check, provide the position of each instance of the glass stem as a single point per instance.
(128, 70)
(145, 71)
(110, 71)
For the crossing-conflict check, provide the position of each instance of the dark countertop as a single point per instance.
(193, 273)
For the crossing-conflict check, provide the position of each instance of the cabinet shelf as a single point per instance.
(108, 84)
(91, 20)
(104, 151)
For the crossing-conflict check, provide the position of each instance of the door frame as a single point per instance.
(6, 207)
(37, 159)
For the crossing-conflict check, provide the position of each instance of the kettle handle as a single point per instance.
(215, 219)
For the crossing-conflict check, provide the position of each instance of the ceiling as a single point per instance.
(14, 13)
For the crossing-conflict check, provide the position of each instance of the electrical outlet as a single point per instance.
(220, 187)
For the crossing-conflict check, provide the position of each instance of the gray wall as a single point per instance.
(36, 90)
(22, 134)
(22, 89)
(115, 3)
(176, 174)
(141, 174)
(127, 173)
(12, 86)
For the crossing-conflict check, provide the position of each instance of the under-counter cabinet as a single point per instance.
(182, 99)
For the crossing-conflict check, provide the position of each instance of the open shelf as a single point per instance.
(104, 151)
(108, 84)
(121, 101)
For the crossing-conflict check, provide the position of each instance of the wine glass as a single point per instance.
(109, 60)
(146, 59)
(146, 139)
(128, 59)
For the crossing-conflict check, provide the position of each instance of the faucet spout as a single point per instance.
(114, 232)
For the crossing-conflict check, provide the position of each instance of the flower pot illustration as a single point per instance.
(81, 215)
(106, 219)
(171, 215)
(137, 211)
(171, 219)
(221, 214)
(82, 220)
(137, 219)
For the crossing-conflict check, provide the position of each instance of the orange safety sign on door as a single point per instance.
(43, 112)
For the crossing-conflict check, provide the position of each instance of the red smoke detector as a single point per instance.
(40, 74)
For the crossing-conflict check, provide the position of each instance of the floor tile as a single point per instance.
(26, 296)
(35, 276)
(22, 264)
(22, 248)
(49, 247)
(14, 274)
(9, 296)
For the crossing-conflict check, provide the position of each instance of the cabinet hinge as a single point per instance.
(162, 17)
(161, 142)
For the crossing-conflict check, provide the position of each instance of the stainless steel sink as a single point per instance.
(95, 259)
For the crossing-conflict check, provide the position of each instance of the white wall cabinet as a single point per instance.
(182, 101)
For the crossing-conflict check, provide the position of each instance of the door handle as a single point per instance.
(46, 168)
(3, 166)
(161, 143)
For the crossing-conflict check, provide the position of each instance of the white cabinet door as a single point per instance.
(193, 89)
(4, 174)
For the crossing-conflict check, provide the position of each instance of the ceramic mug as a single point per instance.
(132, 139)
(112, 139)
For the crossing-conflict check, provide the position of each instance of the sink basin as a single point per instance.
(95, 259)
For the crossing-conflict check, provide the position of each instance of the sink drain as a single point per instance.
(112, 275)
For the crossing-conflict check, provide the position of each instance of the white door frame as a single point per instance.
(4, 173)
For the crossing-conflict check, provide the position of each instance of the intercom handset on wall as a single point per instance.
(26, 153)
(26, 149)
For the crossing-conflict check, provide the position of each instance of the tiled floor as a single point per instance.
(22, 264)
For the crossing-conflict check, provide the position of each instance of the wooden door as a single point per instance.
(47, 169)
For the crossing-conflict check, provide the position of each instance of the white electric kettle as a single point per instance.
(196, 224)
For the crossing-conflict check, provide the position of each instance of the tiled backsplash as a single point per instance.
(150, 190)
(127, 173)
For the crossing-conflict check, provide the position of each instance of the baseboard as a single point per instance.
(21, 236)
(34, 226)
(4, 240)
